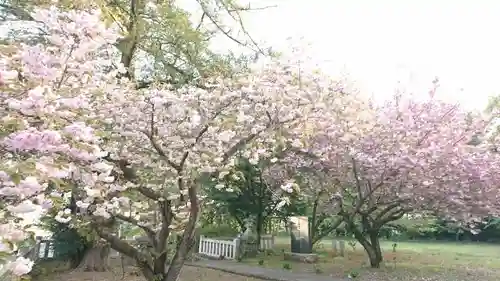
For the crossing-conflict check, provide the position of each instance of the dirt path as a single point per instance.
(203, 270)
(188, 274)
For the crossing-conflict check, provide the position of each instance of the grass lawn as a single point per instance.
(411, 261)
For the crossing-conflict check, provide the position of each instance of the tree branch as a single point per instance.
(120, 245)
(161, 245)
(17, 12)
(149, 232)
(151, 136)
(149, 193)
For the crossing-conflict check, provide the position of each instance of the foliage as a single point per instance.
(245, 194)
(213, 216)
(164, 34)
(314, 202)
(68, 244)
(218, 231)
(443, 230)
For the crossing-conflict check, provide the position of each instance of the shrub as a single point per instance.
(68, 244)
(269, 252)
(218, 231)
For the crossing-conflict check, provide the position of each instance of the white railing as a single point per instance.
(228, 249)
(219, 248)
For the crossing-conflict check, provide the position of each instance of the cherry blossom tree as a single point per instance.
(73, 128)
(407, 154)
(41, 143)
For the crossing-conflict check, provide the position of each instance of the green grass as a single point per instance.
(411, 261)
(454, 254)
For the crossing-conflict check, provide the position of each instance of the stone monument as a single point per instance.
(300, 241)
(248, 233)
(249, 246)
(299, 235)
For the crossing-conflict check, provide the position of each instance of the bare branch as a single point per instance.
(226, 32)
(234, 13)
(151, 136)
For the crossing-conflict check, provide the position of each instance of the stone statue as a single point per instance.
(249, 232)
(249, 246)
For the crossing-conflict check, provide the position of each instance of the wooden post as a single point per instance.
(36, 254)
(200, 246)
(237, 246)
(46, 249)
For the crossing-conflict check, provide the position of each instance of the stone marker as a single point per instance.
(301, 250)
(300, 235)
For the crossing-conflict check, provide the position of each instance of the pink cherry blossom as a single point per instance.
(21, 266)
(415, 153)
(136, 154)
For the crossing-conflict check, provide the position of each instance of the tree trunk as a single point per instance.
(375, 242)
(96, 259)
(258, 229)
(372, 246)
(374, 256)
(77, 258)
(372, 249)
(178, 261)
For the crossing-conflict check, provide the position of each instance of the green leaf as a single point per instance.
(16, 178)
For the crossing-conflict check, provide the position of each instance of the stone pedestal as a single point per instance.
(249, 248)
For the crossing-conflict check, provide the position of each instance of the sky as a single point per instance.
(382, 43)
(386, 44)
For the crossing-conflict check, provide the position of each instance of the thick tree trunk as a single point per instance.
(372, 247)
(96, 259)
(374, 255)
(370, 243)
(377, 257)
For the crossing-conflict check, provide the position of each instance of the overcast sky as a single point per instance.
(379, 43)
(382, 42)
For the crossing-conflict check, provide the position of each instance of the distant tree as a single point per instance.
(244, 193)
